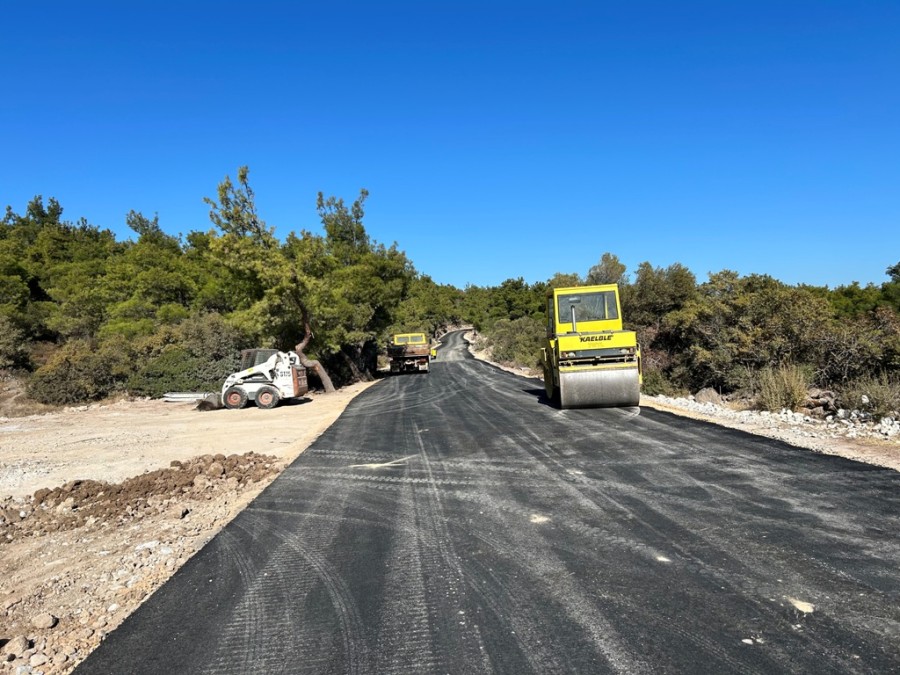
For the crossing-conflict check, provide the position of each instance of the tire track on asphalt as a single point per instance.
(404, 636)
(604, 637)
(739, 578)
(467, 640)
(635, 514)
(522, 438)
(283, 638)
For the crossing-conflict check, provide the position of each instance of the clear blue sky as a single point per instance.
(497, 139)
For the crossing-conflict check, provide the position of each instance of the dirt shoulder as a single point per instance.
(101, 504)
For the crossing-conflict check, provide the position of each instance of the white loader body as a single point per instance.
(267, 377)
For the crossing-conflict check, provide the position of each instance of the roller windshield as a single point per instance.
(599, 306)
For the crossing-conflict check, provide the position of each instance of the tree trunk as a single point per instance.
(311, 363)
(358, 374)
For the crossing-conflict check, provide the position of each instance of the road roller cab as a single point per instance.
(589, 360)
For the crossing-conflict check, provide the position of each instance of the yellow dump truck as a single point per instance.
(589, 361)
(409, 353)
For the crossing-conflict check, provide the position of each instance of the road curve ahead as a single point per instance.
(453, 522)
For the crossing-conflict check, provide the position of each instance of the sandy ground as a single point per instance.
(99, 505)
(116, 441)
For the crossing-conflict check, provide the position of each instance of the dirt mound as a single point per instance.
(84, 503)
(107, 547)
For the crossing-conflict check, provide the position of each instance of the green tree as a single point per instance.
(609, 270)
(428, 307)
(736, 325)
(891, 290)
(148, 283)
(13, 345)
(364, 284)
(565, 280)
(656, 292)
(853, 300)
(249, 250)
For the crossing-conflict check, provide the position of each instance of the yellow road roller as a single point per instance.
(589, 361)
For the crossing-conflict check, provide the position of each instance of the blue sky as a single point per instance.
(497, 139)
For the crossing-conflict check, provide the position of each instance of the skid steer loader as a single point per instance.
(589, 361)
(266, 376)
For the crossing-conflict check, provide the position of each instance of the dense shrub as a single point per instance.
(210, 336)
(657, 384)
(517, 340)
(177, 370)
(782, 387)
(77, 372)
(13, 353)
(196, 355)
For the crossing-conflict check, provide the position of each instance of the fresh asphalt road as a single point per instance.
(455, 523)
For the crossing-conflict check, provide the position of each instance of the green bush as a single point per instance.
(76, 373)
(174, 370)
(13, 353)
(517, 341)
(783, 387)
(209, 336)
(197, 355)
(882, 395)
(657, 384)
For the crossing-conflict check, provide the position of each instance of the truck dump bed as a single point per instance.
(409, 352)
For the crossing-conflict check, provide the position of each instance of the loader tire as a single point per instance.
(234, 398)
(267, 397)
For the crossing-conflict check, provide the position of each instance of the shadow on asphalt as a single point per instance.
(541, 397)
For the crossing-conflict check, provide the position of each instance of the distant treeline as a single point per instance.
(83, 316)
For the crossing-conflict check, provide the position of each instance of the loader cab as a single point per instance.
(255, 357)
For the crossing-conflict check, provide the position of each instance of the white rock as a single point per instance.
(17, 646)
(44, 620)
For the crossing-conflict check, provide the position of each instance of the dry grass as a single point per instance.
(782, 387)
(879, 396)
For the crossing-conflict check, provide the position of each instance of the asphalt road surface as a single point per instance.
(453, 522)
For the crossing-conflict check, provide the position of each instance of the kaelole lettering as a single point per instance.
(595, 338)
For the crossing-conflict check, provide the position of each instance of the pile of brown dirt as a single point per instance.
(107, 547)
(85, 503)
